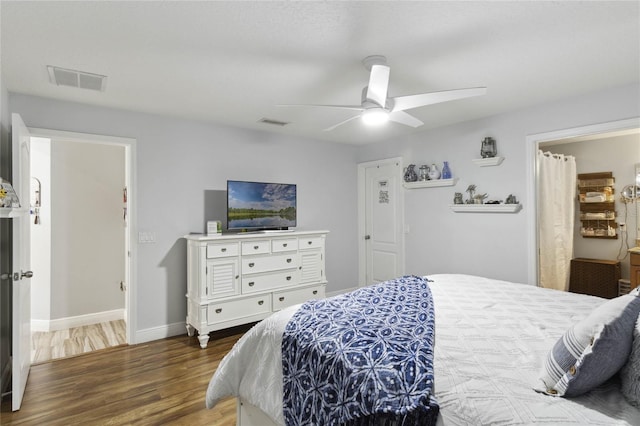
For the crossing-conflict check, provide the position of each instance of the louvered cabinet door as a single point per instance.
(223, 278)
(311, 269)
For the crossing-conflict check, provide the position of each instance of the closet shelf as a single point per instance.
(486, 208)
(430, 183)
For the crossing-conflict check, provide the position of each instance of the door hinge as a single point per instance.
(122, 286)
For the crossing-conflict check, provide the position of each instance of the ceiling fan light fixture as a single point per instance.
(375, 116)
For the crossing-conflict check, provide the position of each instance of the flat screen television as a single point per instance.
(256, 206)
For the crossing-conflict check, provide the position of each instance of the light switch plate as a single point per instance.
(146, 237)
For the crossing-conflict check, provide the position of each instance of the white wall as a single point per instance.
(618, 155)
(178, 160)
(493, 245)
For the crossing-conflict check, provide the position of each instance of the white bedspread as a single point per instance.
(491, 339)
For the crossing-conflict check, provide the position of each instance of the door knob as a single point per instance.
(27, 274)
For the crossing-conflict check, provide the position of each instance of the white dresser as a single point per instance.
(240, 278)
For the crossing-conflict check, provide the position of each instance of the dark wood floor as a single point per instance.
(160, 382)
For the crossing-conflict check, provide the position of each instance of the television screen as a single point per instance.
(260, 205)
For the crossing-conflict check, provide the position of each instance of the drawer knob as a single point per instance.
(223, 249)
(251, 265)
(260, 302)
(284, 245)
(288, 260)
(315, 291)
(218, 310)
(256, 247)
(289, 278)
(281, 298)
(237, 276)
(309, 242)
(251, 284)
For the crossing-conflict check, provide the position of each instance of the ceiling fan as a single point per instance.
(377, 108)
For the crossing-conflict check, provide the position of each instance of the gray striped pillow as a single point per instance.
(630, 373)
(592, 350)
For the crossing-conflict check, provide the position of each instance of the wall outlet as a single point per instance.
(146, 237)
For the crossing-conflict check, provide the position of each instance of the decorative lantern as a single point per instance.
(488, 149)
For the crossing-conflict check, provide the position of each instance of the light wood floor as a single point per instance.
(48, 345)
(156, 383)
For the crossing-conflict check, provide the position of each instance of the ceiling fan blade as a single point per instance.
(328, 129)
(402, 103)
(350, 107)
(404, 118)
(378, 84)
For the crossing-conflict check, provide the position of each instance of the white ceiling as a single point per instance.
(232, 62)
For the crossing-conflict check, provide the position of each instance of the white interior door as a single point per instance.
(21, 338)
(383, 217)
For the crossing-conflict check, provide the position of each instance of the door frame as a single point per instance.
(129, 145)
(362, 255)
(532, 146)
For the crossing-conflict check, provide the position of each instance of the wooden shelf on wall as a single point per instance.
(430, 183)
(602, 182)
(486, 162)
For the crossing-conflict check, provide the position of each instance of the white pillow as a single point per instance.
(630, 373)
(592, 350)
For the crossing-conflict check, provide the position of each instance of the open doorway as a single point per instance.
(81, 214)
(604, 132)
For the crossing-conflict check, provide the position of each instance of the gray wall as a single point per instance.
(618, 155)
(180, 161)
(493, 245)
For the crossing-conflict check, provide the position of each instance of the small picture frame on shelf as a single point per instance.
(214, 228)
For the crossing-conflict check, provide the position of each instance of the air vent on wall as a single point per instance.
(274, 122)
(73, 78)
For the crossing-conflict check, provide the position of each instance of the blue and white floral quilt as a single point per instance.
(362, 358)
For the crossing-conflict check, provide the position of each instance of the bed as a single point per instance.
(492, 339)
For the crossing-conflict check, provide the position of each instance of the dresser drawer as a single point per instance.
(282, 299)
(256, 247)
(222, 250)
(269, 281)
(307, 243)
(256, 264)
(234, 309)
(290, 244)
(635, 259)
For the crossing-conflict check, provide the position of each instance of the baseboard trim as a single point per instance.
(162, 332)
(77, 321)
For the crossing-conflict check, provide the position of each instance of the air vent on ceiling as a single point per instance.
(73, 78)
(274, 122)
